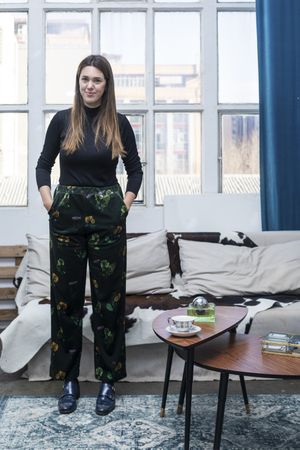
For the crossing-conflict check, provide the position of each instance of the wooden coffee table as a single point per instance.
(227, 319)
(240, 354)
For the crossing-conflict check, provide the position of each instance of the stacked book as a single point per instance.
(281, 343)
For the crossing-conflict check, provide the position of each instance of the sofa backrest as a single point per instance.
(274, 237)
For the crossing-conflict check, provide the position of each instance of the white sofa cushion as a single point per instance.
(148, 264)
(37, 283)
(229, 270)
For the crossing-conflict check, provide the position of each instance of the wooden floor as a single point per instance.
(14, 384)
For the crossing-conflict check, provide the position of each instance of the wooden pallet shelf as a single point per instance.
(11, 257)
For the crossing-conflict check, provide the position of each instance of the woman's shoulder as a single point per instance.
(63, 114)
(60, 119)
(122, 119)
(124, 123)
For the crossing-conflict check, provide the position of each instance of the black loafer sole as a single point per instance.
(105, 411)
(67, 411)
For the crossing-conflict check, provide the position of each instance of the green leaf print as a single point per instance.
(81, 254)
(60, 266)
(64, 203)
(107, 267)
(103, 200)
(108, 335)
(109, 307)
(99, 372)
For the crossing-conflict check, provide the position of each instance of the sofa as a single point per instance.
(166, 270)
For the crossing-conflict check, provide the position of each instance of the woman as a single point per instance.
(87, 219)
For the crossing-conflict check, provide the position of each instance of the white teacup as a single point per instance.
(181, 323)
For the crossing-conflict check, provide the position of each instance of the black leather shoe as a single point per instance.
(67, 401)
(106, 400)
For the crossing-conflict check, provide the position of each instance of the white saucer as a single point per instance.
(194, 330)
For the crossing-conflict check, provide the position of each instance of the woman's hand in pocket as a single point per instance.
(46, 197)
(128, 199)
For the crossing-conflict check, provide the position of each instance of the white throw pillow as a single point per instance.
(38, 270)
(229, 270)
(148, 264)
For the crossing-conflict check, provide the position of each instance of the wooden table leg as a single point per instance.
(189, 389)
(182, 391)
(221, 408)
(245, 395)
(167, 380)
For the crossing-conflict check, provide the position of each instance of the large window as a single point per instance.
(185, 75)
(13, 100)
(238, 88)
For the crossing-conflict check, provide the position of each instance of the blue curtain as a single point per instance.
(278, 34)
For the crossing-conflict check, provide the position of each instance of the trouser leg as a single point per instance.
(68, 259)
(107, 261)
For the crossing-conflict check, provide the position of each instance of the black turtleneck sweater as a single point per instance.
(88, 165)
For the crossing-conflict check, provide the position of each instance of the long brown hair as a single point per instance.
(106, 121)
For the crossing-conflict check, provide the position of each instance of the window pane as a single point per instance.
(177, 57)
(137, 123)
(238, 73)
(177, 154)
(13, 159)
(13, 1)
(238, 1)
(67, 43)
(68, 1)
(122, 39)
(240, 153)
(174, 1)
(13, 57)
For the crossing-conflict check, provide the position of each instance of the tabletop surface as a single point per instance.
(227, 317)
(241, 354)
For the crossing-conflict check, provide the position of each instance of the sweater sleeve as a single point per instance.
(131, 160)
(50, 151)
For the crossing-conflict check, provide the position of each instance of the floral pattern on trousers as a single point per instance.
(88, 224)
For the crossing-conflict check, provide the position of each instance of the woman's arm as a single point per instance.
(50, 150)
(131, 161)
(46, 196)
(47, 158)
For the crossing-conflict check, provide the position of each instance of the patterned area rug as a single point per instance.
(33, 423)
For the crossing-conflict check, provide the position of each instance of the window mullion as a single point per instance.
(210, 182)
(149, 169)
(36, 95)
(95, 41)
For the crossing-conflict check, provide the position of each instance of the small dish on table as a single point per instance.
(191, 332)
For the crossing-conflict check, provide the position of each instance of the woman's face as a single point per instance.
(91, 86)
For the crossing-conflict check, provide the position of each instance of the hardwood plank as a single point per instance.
(8, 314)
(12, 251)
(7, 293)
(8, 272)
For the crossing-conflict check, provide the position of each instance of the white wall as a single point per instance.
(213, 212)
(207, 212)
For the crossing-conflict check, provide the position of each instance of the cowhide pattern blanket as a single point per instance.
(166, 302)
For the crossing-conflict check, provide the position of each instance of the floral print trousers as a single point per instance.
(88, 224)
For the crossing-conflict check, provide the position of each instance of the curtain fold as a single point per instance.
(278, 36)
